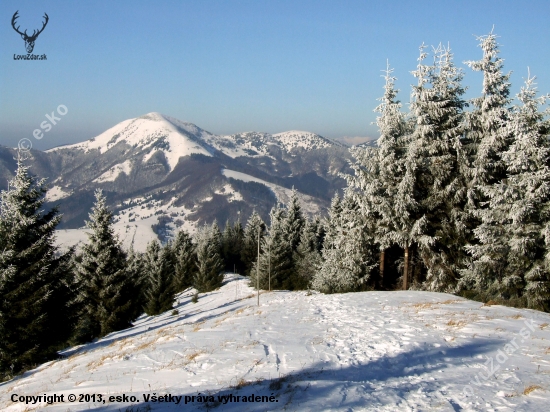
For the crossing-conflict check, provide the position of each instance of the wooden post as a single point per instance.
(258, 267)
(382, 258)
(269, 263)
(406, 268)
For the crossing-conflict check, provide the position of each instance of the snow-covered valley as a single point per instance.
(380, 351)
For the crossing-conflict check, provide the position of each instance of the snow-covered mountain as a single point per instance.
(160, 174)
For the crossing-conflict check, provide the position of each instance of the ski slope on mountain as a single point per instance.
(382, 351)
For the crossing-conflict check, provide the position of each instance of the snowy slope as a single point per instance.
(375, 351)
(308, 203)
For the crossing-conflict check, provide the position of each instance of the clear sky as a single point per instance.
(238, 65)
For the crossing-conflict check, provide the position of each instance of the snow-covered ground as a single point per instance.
(379, 351)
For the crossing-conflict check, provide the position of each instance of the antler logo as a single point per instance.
(29, 40)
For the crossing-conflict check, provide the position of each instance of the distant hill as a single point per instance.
(160, 174)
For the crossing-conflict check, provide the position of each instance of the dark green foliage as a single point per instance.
(294, 221)
(105, 289)
(249, 251)
(184, 261)
(275, 255)
(135, 268)
(232, 244)
(34, 283)
(159, 292)
(307, 258)
(209, 275)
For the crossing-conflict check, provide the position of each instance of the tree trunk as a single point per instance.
(406, 269)
(382, 258)
(411, 266)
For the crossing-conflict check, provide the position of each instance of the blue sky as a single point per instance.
(233, 65)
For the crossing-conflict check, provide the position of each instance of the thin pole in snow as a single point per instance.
(258, 267)
(269, 264)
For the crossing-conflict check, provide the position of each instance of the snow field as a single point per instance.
(383, 351)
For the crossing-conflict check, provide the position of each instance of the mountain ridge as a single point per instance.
(158, 171)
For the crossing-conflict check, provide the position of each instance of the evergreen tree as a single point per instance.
(511, 248)
(349, 252)
(488, 135)
(275, 254)
(227, 240)
(379, 171)
(232, 243)
(209, 275)
(137, 276)
(294, 221)
(216, 237)
(159, 293)
(105, 291)
(410, 223)
(33, 285)
(185, 268)
(249, 251)
(330, 223)
(307, 257)
(237, 246)
(320, 232)
(437, 148)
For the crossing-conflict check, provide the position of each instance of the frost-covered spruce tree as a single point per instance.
(216, 237)
(159, 293)
(487, 138)
(183, 252)
(275, 253)
(410, 224)
(105, 291)
(512, 254)
(534, 180)
(330, 223)
(307, 257)
(294, 221)
(488, 135)
(349, 252)
(33, 282)
(249, 251)
(436, 146)
(378, 171)
(209, 275)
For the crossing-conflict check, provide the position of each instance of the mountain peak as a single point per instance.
(148, 134)
(155, 116)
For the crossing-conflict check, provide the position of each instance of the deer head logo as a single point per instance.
(29, 40)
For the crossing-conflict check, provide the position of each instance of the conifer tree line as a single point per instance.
(51, 299)
(455, 197)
